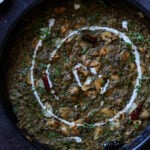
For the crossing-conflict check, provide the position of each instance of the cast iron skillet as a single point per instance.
(138, 143)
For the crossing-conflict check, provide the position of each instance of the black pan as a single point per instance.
(13, 137)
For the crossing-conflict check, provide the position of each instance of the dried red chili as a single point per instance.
(89, 38)
(136, 113)
(45, 81)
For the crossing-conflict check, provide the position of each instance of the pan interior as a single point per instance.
(78, 75)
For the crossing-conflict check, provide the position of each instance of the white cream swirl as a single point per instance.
(124, 37)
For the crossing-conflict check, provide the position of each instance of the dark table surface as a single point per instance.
(9, 137)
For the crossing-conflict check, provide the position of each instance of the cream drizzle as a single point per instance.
(51, 23)
(49, 81)
(76, 6)
(77, 139)
(49, 113)
(32, 77)
(125, 25)
(56, 97)
(48, 76)
(75, 73)
(93, 71)
(104, 88)
(88, 81)
(100, 76)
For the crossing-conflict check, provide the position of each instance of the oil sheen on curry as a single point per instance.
(79, 76)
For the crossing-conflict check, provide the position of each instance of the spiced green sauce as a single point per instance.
(79, 75)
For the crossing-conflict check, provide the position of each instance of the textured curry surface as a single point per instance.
(79, 76)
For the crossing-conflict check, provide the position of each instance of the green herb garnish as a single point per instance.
(136, 36)
(15, 109)
(45, 35)
(52, 134)
(132, 59)
(58, 72)
(67, 144)
(84, 50)
(137, 125)
(88, 126)
(129, 45)
(42, 65)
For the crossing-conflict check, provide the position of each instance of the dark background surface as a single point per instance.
(10, 139)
